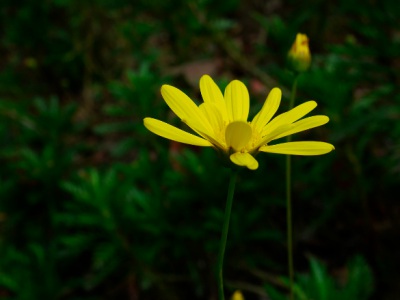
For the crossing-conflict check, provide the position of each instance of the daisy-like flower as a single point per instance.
(222, 122)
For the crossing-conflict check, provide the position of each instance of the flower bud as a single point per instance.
(237, 295)
(299, 56)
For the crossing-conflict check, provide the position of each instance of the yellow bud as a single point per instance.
(299, 55)
(237, 295)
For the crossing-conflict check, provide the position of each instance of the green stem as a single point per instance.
(224, 234)
(293, 93)
(289, 201)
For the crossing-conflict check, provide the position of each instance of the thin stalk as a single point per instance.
(289, 225)
(224, 234)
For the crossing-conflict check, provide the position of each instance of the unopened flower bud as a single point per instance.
(299, 56)
(237, 295)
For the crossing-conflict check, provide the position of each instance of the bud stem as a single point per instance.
(289, 201)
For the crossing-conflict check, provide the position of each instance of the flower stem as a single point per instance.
(293, 95)
(224, 234)
(289, 201)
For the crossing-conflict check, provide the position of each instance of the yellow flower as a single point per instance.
(237, 295)
(299, 55)
(221, 122)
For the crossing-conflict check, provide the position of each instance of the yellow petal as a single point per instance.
(185, 109)
(212, 113)
(209, 90)
(216, 142)
(291, 116)
(299, 148)
(172, 133)
(212, 94)
(271, 135)
(237, 135)
(237, 101)
(304, 124)
(268, 110)
(244, 160)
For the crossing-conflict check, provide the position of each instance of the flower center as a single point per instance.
(237, 135)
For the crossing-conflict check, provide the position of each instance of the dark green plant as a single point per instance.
(354, 282)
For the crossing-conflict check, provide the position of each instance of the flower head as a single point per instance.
(299, 55)
(221, 121)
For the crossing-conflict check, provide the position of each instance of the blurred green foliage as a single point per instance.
(353, 282)
(92, 206)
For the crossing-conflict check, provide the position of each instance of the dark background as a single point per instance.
(93, 206)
